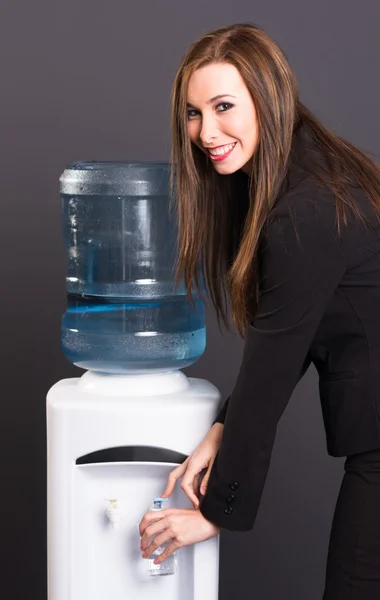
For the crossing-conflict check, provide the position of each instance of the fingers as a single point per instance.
(146, 539)
(205, 479)
(166, 553)
(190, 485)
(197, 486)
(147, 519)
(200, 481)
(173, 477)
(159, 540)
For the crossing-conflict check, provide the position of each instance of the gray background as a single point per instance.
(88, 80)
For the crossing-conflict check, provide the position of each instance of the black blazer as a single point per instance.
(320, 303)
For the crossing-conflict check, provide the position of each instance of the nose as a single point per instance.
(209, 131)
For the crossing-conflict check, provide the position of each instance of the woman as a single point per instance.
(286, 218)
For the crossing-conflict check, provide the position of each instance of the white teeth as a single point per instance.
(220, 151)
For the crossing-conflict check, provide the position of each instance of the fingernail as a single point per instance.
(155, 561)
(203, 489)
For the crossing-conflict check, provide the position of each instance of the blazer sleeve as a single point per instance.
(301, 264)
(221, 417)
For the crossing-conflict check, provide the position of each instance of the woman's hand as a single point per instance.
(202, 458)
(181, 526)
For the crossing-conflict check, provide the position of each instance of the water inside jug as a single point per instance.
(124, 314)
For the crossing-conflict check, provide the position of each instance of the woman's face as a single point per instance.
(225, 128)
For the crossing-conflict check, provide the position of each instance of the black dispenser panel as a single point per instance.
(132, 454)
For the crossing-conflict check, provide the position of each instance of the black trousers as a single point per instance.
(353, 563)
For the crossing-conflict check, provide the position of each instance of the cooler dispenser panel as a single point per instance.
(106, 559)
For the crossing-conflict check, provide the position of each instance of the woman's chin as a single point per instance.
(228, 168)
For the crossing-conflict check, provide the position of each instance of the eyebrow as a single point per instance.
(212, 99)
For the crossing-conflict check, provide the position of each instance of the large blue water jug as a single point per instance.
(124, 314)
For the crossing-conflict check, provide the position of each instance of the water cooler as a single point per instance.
(116, 432)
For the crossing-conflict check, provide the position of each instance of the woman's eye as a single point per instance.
(193, 113)
(227, 104)
(189, 115)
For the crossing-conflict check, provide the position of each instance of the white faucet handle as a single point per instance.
(114, 512)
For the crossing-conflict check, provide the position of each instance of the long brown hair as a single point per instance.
(214, 243)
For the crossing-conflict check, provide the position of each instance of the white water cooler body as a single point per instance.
(112, 441)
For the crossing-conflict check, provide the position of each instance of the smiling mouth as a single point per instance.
(221, 153)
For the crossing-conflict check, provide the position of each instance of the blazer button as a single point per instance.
(228, 510)
(234, 486)
(230, 498)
